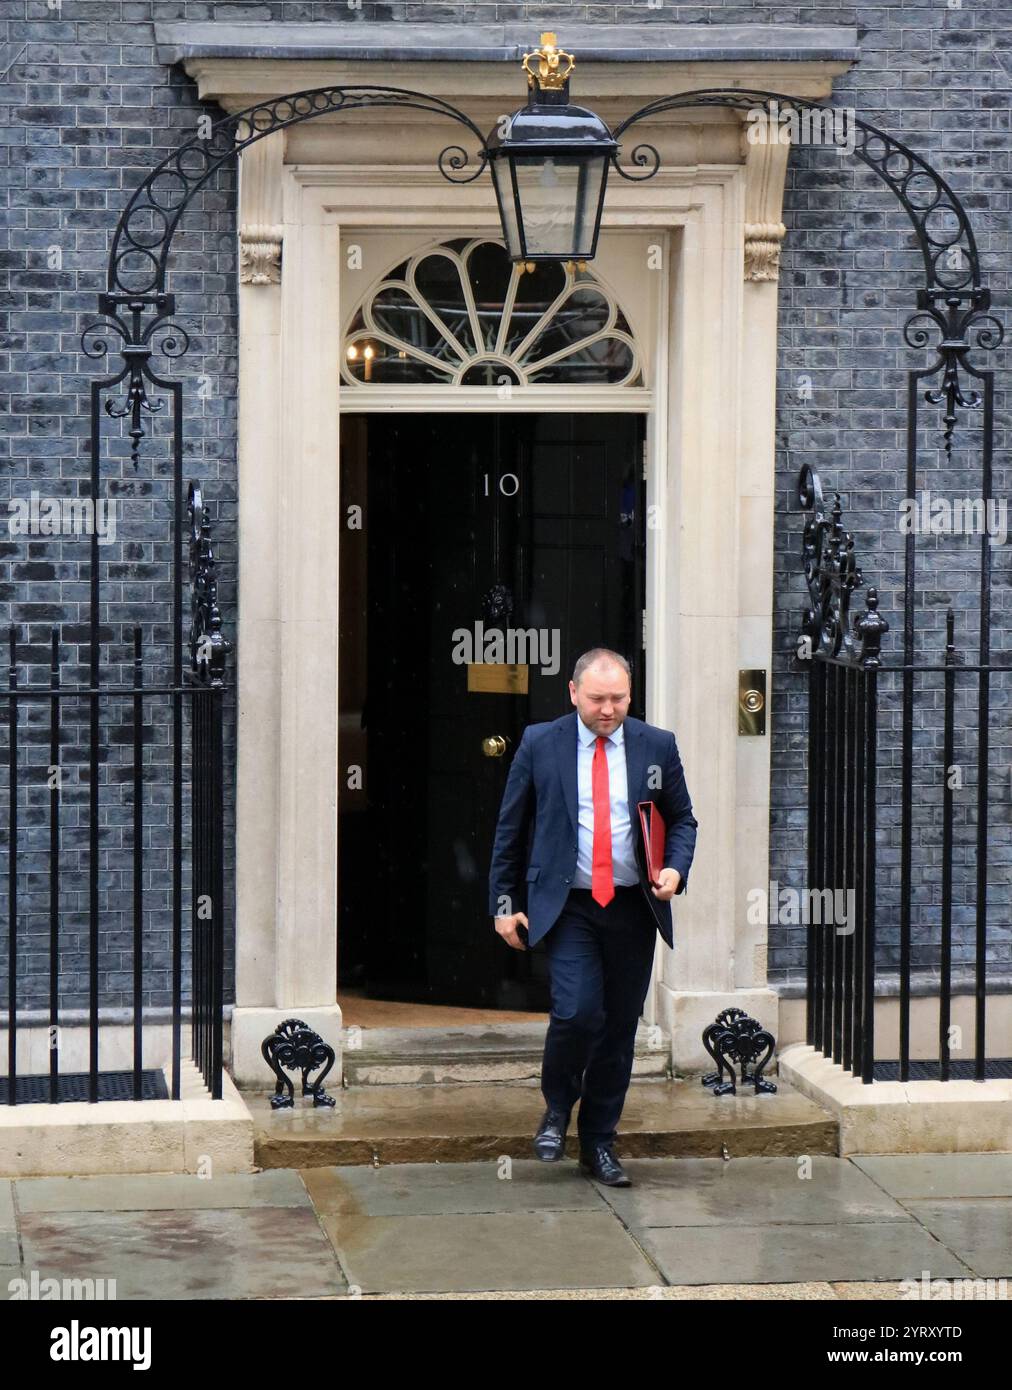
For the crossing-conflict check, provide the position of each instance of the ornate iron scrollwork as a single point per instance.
(140, 248)
(938, 217)
(209, 647)
(143, 237)
(953, 298)
(643, 158)
(954, 325)
(454, 159)
(295, 1046)
(832, 574)
(123, 316)
(135, 307)
(735, 1037)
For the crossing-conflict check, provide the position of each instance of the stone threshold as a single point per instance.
(464, 1123)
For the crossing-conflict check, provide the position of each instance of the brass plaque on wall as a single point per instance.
(497, 678)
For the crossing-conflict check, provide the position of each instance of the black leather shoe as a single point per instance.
(550, 1139)
(599, 1162)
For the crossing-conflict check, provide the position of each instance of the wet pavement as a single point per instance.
(812, 1227)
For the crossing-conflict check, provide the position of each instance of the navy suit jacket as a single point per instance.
(534, 854)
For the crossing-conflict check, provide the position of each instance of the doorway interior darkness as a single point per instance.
(512, 521)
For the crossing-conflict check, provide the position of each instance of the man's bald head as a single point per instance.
(597, 656)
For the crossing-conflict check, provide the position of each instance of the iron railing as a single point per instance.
(76, 776)
(208, 652)
(850, 688)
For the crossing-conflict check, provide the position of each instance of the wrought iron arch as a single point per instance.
(162, 197)
(136, 307)
(953, 300)
(897, 165)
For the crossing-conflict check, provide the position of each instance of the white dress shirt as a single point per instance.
(623, 856)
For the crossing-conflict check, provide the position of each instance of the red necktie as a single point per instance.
(602, 886)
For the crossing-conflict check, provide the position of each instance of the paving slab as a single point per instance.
(711, 1192)
(760, 1254)
(519, 1229)
(259, 1252)
(502, 1250)
(436, 1189)
(8, 1220)
(464, 1124)
(940, 1175)
(162, 1192)
(978, 1231)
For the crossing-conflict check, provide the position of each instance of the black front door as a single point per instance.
(460, 532)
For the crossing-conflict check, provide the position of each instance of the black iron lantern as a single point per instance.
(549, 164)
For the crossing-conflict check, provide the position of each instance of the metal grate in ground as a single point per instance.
(112, 1085)
(995, 1069)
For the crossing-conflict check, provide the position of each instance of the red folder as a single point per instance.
(654, 836)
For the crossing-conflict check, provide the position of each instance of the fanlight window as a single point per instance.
(462, 314)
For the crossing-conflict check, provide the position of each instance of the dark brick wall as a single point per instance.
(936, 79)
(85, 109)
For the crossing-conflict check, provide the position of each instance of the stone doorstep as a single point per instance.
(473, 1053)
(463, 1123)
(895, 1117)
(75, 1139)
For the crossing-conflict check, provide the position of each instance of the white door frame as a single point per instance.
(709, 595)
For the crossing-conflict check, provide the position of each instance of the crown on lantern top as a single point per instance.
(554, 65)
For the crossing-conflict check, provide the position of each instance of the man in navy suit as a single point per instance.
(583, 886)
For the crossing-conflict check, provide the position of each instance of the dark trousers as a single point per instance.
(599, 963)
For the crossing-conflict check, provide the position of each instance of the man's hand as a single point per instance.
(668, 881)
(507, 929)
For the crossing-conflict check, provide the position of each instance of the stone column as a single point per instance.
(719, 583)
(286, 927)
(765, 170)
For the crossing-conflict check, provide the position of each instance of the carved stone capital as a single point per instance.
(260, 254)
(762, 249)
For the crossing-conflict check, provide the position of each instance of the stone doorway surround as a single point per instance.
(716, 210)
